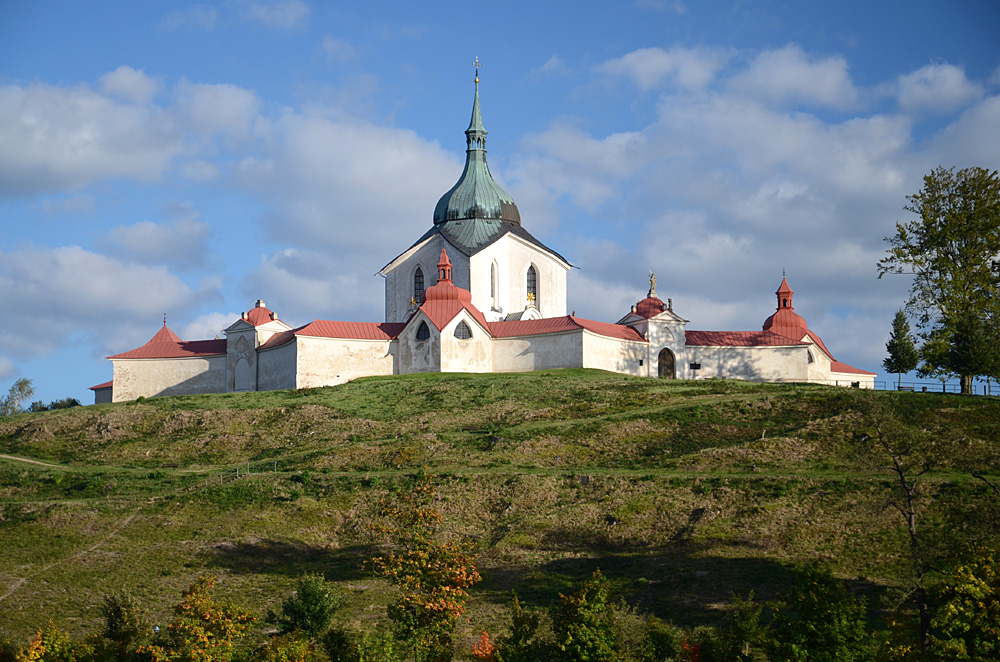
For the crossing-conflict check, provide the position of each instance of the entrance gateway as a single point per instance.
(665, 362)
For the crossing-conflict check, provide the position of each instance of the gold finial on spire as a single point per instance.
(652, 284)
(476, 64)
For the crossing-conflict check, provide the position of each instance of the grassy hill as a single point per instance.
(683, 493)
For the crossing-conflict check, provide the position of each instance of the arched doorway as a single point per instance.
(665, 363)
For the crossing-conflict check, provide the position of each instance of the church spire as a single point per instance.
(475, 135)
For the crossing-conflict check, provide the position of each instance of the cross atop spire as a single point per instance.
(476, 64)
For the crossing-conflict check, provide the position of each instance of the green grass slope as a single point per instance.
(683, 493)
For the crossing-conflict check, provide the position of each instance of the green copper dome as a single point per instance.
(476, 196)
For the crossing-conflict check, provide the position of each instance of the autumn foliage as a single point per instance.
(433, 576)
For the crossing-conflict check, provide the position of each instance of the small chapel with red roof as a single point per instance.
(475, 293)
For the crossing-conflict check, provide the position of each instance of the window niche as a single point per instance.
(462, 331)
(423, 331)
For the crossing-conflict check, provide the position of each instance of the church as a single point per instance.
(475, 293)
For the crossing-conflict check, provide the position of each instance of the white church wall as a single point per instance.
(613, 354)
(399, 280)
(771, 364)
(541, 352)
(419, 355)
(331, 361)
(664, 335)
(473, 354)
(188, 375)
(512, 256)
(241, 363)
(276, 367)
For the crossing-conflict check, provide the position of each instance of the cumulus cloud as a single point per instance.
(972, 139)
(57, 139)
(789, 75)
(567, 161)
(180, 244)
(281, 14)
(327, 180)
(130, 84)
(936, 88)
(207, 326)
(195, 17)
(648, 67)
(305, 285)
(222, 108)
(55, 294)
(7, 368)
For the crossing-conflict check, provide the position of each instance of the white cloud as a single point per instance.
(180, 243)
(208, 326)
(305, 285)
(567, 161)
(282, 14)
(7, 368)
(200, 170)
(788, 75)
(338, 50)
(57, 139)
(78, 203)
(936, 88)
(648, 67)
(130, 84)
(972, 140)
(55, 294)
(210, 109)
(553, 65)
(326, 179)
(195, 17)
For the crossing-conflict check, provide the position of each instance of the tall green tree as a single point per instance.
(903, 354)
(952, 249)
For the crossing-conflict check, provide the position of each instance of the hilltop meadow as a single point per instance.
(685, 494)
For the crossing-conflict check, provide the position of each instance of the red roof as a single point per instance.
(838, 366)
(102, 386)
(738, 339)
(175, 350)
(346, 330)
(649, 307)
(560, 324)
(259, 314)
(166, 344)
(444, 300)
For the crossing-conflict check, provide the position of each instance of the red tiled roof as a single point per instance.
(649, 307)
(560, 324)
(164, 335)
(260, 315)
(351, 330)
(331, 329)
(738, 339)
(442, 311)
(175, 350)
(104, 385)
(838, 366)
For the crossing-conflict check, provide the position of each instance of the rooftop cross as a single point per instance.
(476, 64)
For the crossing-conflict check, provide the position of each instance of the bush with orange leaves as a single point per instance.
(202, 630)
(433, 576)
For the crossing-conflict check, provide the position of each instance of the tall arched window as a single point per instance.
(418, 285)
(423, 332)
(494, 287)
(532, 285)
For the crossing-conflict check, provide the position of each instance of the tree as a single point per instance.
(203, 630)
(125, 622)
(19, 393)
(903, 355)
(584, 623)
(310, 609)
(820, 621)
(966, 621)
(952, 249)
(433, 575)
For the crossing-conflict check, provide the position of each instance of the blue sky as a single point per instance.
(190, 158)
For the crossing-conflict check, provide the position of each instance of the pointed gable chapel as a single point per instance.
(475, 293)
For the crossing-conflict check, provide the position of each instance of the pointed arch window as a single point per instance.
(532, 286)
(423, 331)
(462, 331)
(418, 285)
